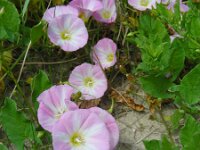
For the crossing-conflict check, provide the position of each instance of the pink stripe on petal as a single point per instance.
(70, 26)
(53, 103)
(51, 13)
(91, 5)
(111, 125)
(108, 14)
(93, 72)
(137, 4)
(87, 123)
(102, 50)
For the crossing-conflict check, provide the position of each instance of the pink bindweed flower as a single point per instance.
(174, 36)
(142, 4)
(171, 4)
(104, 52)
(89, 80)
(80, 130)
(111, 125)
(86, 7)
(51, 13)
(54, 102)
(108, 14)
(68, 32)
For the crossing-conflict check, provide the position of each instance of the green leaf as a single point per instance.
(25, 8)
(37, 31)
(3, 147)
(156, 86)
(164, 144)
(15, 124)
(190, 134)
(176, 60)
(152, 145)
(195, 26)
(39, 83)
(9, 20)
(153, 41)
(189, 87)
(176, 117)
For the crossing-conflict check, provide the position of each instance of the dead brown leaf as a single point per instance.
(153, 104)
(88, 104)
(126, 99)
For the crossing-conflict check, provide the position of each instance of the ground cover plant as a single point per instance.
(61, 62)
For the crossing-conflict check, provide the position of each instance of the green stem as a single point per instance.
(21, 70)
(110, 110)
(166, 125)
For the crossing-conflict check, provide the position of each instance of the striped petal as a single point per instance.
(54, 102)
(89, 80)
(110, 123)
(80, 130)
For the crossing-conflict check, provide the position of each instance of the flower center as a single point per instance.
(83, 17)
(144, 2)
(76, 139)
(106, 14)
(110, 57)
(59, 114)
(65, 36)
(89, 82)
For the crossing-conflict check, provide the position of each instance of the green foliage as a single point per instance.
(189, 87)
(154, 42)
(156, 86)
(9, 20)
(192, 40)
(37, 31)
(15, 124)
(162, 61)
(5, 59)
(190, 134)
(3, 147)
(164, 144)
(167, 16)
(39, 83)
(25, 8)
(176, 117)
(176, 59)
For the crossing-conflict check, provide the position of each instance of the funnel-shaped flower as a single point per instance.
(108, 14)
(174, 36)
(86, 7)
(54, 102)
(171, 4)
(80, 130)
(104, 52)
(51, 13)
(142, 4)
(110, 123)
(89, 80)
(68, 32)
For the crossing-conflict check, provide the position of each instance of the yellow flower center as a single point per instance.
(59, 114)
(144, 2)
(106, 14)
(65, 35)
(110, 57)
(83, 17)
(76, 139)
(89, 82)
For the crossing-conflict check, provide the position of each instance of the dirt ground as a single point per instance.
(138, 126)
